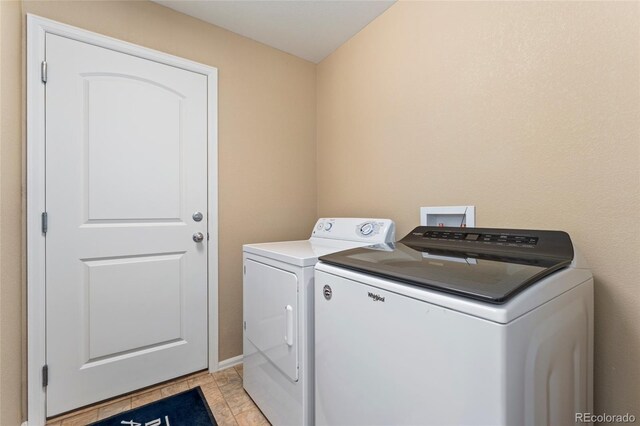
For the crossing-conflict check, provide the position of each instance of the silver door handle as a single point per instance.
(198, 237)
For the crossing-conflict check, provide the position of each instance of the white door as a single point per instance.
(271, 314)
(126, 168)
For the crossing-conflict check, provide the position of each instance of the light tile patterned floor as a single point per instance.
(223, 390)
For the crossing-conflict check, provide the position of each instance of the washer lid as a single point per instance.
(300, 253)
(485, 264)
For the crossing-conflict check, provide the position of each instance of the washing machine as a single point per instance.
(278, 314)
(455, 326)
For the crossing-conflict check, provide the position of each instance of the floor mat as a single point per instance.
(188, 408)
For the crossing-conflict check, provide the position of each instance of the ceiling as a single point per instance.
(309, 29)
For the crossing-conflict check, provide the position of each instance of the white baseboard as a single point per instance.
(230, 362)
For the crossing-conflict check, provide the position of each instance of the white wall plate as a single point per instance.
(448, 216)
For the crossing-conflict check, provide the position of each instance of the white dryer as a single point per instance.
(455, 326)
(278, 314)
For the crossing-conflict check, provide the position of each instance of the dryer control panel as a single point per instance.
(355, 229)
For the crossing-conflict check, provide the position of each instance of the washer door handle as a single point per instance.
(288, 337)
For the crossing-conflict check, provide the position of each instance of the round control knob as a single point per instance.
(328, 226)
(366, 229)
(320, 226)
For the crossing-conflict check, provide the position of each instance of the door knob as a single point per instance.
(198, 237)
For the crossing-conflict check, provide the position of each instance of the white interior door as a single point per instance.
(126, 168)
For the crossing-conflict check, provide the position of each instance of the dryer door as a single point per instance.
(271, 314)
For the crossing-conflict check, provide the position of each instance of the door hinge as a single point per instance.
(45, 222)
(43, 71)
(244, 269)
(45, 376)
(245, 325)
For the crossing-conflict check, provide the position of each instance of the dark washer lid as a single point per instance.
(486, 264)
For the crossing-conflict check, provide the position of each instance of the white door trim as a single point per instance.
(37, 28)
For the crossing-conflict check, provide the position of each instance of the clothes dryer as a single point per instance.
(278, 314)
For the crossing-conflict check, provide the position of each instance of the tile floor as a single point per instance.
(223, 390)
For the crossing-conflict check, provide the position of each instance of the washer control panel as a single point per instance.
(355, 229)
(514, 242)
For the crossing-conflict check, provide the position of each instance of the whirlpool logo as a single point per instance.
(326, 290)
(376, 297)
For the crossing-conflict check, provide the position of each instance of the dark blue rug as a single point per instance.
(188, 408)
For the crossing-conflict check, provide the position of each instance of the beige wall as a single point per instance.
(11, 243)
(267, 176)
(529, 111)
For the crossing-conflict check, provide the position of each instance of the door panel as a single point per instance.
(117, 286)
(271, 314)
(126, 147)
(117, 124)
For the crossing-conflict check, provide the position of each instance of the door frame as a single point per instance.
(37, 28)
